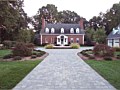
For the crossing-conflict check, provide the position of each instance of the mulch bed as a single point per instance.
(96, 58)
(27, 58)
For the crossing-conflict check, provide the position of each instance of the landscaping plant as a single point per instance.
(75, 46)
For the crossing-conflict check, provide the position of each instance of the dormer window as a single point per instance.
(71, 30)
(52, 30)
(47, 30)
(77, 30)
(62, 30)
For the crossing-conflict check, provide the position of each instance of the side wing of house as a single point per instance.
(113, 39)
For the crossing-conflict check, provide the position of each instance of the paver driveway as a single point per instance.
(63, 70)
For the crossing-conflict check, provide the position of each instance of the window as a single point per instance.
(111, 41)
(71, 30)
(77, 30)
(116, 40)
(65, 39)
(58, 39)
(47, 30)
(71, 40)
(62, 30)
(77, 40)
(52, 30)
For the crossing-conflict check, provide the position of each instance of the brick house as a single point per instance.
(62, 34)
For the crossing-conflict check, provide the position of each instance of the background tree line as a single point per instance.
(14, 21)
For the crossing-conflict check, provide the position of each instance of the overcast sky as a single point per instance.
(85, 8)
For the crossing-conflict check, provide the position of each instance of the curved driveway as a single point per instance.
(63, 70)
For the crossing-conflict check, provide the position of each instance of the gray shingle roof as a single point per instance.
(116, 35)
(66, 27)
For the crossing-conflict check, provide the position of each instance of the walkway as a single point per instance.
(63, 70)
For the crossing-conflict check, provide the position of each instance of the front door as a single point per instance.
(62, 40)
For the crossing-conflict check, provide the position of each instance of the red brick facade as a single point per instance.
(53, 39)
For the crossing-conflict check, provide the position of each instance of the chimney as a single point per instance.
(43, 23)
(81, 23)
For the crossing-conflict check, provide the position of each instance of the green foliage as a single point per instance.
(49, 46)
(24, 36)
(12, 18)
(21, 50)
(11, 73)
(103, 50)
(75, 46)
(8, 44)
(90, 33)
(110, 70)
(100, 36)
(51, 14)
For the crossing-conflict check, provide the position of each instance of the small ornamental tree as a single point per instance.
(103, 50)
(21, 50)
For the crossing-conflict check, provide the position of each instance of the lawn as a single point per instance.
(13, 72)
(4, 52)
(110, 70)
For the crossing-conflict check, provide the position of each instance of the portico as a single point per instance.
(62, 40)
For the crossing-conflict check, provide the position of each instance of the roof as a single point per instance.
(113, 35)
(66, 27)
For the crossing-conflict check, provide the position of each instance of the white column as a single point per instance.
(83, 39)
(41, 39)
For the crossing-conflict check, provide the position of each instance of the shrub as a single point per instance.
(108, 58)
(75, 45)
(118, 57)
(8, 56)
(30, 45)
(21, 50)
(117, 49)
(34, 53)
(103, 50)
(49, 46)
(40, 54)
(7, 43)
(33, 56)
(17, 58)
(91, 57)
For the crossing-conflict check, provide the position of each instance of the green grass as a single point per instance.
(5, 52)
(13, 72)
(117, 53)
(110, 70)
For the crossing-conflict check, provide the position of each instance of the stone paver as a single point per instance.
(63, 70)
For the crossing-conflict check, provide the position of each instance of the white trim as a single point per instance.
(64, 34)
(83, 39)
(63, 41)
(41, 39)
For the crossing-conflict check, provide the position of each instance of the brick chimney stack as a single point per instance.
(81, 24)
(43, 23)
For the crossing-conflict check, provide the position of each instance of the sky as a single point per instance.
(84, 8)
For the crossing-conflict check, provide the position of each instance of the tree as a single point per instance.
(25, 36)
(112, 17)
(67, 16)
(12, 17)
(100, 36)
(51, 15)
(89, 36)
